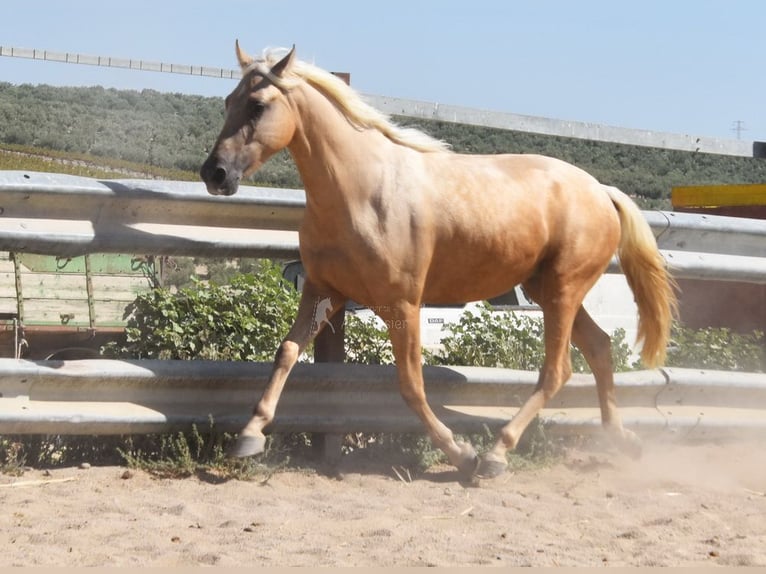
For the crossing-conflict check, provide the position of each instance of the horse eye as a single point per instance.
(255, 108)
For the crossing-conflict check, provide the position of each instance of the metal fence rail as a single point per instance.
(124, 397)
(67, 215)
(112, 62)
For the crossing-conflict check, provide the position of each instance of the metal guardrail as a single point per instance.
(67, 216)
(132, 397)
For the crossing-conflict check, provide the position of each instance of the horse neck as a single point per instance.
(328, 151)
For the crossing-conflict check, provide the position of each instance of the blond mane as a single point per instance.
(348, 100)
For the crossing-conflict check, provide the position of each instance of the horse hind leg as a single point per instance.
(595, 346)
(559, 309)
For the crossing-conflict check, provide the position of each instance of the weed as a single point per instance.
(12, 459)
(188, 453)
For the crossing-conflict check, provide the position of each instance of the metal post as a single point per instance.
(18, 321)
(329, 347)
(19, 293)
(89, 291)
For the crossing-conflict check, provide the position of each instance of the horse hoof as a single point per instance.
(631, 445)
(467, 468)
(491, 466)
(247, 445)
(469, 462)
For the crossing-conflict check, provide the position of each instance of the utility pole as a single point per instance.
(739, 127)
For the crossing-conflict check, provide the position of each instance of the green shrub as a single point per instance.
(367, 343)
(509, 340)
(717, 348)
(488, 339)
(242, 321)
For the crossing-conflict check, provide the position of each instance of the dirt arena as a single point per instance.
(682, 504)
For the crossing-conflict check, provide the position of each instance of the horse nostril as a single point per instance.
(213, 173)
(219, 176)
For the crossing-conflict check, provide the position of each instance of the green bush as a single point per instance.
(367, 343)
(488, 339)
(242, 321)
(509, 340)
(717, 348)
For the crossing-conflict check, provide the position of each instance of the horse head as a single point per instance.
(258, 123)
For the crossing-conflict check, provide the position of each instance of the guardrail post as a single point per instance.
(329, 347)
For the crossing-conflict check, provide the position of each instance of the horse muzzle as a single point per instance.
(219, 179)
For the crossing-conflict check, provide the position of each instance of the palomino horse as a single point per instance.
(394, 219)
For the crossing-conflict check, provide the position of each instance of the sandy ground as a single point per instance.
(682, 504)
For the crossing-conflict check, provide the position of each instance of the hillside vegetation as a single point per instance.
(169, 135)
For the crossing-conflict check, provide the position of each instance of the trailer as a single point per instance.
(68, 307)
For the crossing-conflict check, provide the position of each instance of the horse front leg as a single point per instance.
(403, 322)
(314, 310)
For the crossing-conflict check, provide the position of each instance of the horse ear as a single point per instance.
(279, 68)
(242, 57)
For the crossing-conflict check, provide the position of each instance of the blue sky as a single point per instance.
(686, 66)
